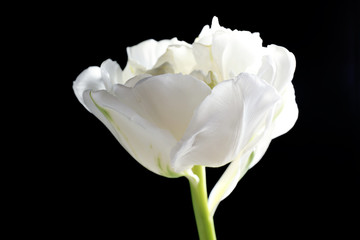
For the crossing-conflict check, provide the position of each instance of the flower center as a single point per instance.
(210, 79)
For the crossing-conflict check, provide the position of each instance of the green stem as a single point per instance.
(204, 220)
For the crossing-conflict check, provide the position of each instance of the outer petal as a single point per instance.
(241, 164)
(90, 78)
(95, 78)
(147, 118)
(228, 181)
(287, 112)
(148, 144)
(278, 67)
(225, 123)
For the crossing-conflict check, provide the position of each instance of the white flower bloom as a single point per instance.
(171, 122)
(220, 100)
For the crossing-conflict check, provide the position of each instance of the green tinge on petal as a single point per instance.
(108, 116)
(102, 110)
(166, 171)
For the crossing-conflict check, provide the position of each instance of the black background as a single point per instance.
(83, 184)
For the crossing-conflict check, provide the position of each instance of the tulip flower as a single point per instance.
(177, 107)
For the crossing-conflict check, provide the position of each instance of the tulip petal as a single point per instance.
(286, 113)
(143, 57)
(97, 78)
(226, 123)
(206, 34)
(154, 56)
(90, 78)
(148, 52)
(133, 81)
(227, 52)
(179, 56)
(241, 164)
(278, 70)
(148, 118)
(238, 167)
(111, 74)
(278, 67)
(237, 52)
(146, 143)
(228, 181)
(168, 100)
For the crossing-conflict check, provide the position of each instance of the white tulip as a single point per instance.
(172, 122)
(178, 106)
